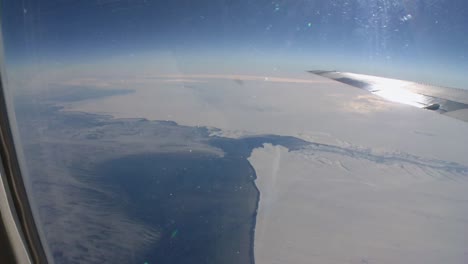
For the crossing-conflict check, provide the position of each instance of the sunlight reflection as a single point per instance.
(403, 96)
(393, 90)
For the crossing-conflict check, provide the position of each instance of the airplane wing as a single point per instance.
(448, 101)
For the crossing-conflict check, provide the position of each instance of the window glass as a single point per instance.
(243, 131)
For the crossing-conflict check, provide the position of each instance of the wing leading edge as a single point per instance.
(448, 101)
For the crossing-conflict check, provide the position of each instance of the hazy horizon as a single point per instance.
(421, 41)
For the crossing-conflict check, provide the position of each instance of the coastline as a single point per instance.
(254, 217)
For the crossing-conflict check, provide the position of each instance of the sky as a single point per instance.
(418, 40)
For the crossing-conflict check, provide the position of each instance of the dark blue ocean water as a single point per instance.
(204, 206)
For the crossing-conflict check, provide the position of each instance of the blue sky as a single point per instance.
(416, 40)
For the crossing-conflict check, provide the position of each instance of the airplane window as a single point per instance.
(242, 131)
